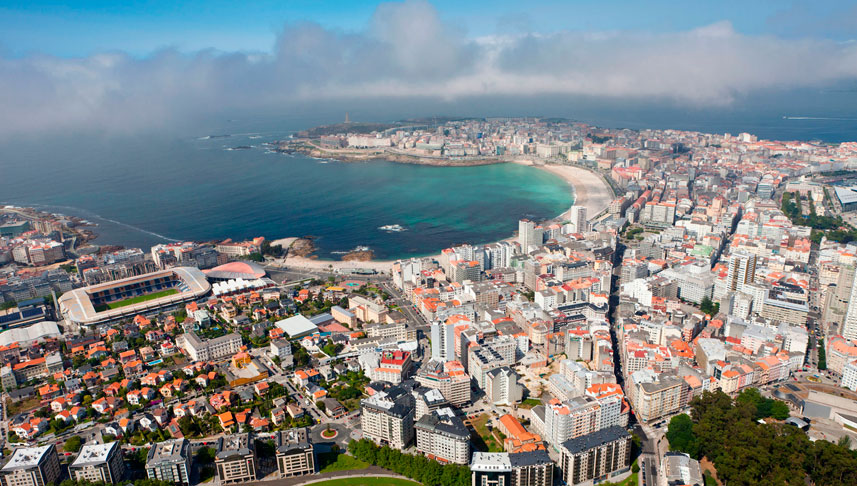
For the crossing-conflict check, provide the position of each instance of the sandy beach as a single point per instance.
(590, 191)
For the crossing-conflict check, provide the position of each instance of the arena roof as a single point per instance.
(236, 270)
(846, 195)
(77, 307)
(26, 335)
(297, 326)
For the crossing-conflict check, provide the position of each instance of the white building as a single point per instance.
(443, 435)
(387, 418)
(209, 349)
(502, 386)
(442, 341)
(579, 224)
(99, 463)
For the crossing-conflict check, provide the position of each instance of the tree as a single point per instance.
(680, 435)
(779, 410)
(73, 444)
(320, 405)
(205, 455)
(709, 307)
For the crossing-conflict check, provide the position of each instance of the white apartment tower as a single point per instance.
(849, 327)
(442, 341)
(742, 271)
(579, 224)
(529, 234)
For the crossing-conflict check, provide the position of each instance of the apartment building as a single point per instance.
(502, 387)
(595, 457)
(235, 459)
(656, 395)
(169, 461)
(393, 366)
(199, 349)
(443, 436)
(387, 418)
(427, 401)
(567, 420)
(449, 378)
(99, 463)
(397, 330)
(32, 466)
(295, 454)
(533, 468)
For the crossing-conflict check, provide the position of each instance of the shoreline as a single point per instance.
(589, 190)
(310, 149)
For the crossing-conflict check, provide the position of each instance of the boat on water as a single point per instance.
(392, 227)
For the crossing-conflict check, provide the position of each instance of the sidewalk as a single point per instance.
(315, 478)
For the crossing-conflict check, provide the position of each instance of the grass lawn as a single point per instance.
(530, 403)
(14, 408)
(331, 462)
(631, 480)
(136, 300)
(480, 424)
(367, 481)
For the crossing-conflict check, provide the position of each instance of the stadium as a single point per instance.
(147, 294)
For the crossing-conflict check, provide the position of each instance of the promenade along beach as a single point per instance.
(590, 191)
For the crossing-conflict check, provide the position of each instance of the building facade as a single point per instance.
(595, 457)
(295, 453)
(209, 349)
(387, 418)
(169, 461)
(99, 463)
(442, 435)
(32, 466)
(235, 459)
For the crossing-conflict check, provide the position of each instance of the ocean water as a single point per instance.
(144, 191)
(176, 184)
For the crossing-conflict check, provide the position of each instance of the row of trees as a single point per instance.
(746, 452)
(418, 468)
(831, 226)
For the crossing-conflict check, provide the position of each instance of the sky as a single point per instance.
(130, 65)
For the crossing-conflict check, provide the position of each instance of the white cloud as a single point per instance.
(407, 50)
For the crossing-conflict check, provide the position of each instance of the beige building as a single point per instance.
(595, 457)
(447, 377)
(387, 418)
(441, 434)
(295, 456)
(99, 463)
(169, 461)
(209, 349)
(235, 459)
(367, 310)
(656, 395)
(32, 466)
(398, 331)
(343, 316)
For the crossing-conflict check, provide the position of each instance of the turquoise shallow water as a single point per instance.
(144, 190)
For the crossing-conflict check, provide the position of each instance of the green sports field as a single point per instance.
(136, 300)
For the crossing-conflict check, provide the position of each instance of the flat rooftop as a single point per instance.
(26, 457)
(94, 454)
(233, 445)
(168, 452)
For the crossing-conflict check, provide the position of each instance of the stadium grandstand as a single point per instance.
(147, 294)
